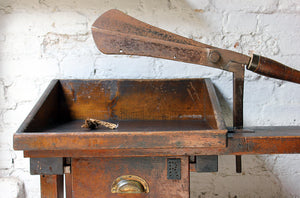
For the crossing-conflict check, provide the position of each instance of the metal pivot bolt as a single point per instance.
(214, 56)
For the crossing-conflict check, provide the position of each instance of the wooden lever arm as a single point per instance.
(274, 69)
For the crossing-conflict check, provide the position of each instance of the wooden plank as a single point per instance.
(51, 186)
(50, 110)
(47, 97)
(120, 140)
(133, 126)
(264, 140)
(68, 185)
(179, 105)
(93, 177)
(213, 113)
(180, 99)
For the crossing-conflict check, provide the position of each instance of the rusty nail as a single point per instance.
(214, 56)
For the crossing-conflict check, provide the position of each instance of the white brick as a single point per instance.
(2, 37)
(241, 23)
(11, 187)
(290, 60)
(58, 46)
(203, 187)
(6, 156)
(23, 23)
(18, 46)
(266, 6)
(286, 93)
(41, 23)
(198, 4)
(32, 182)
(293, 160)
(290, 113)
(231, 184)
(247, 186)
(2, 93)
(24, 89)
(124, 4)
(20, 162)
(124, 67)
(27, 68)
(208, 24)
(69, 23)
(76, 67)
(173, 69)
(288, 183)
(5, 3)
(13, 118)
(282, 24)
(252, 89)
(289, 6)
(156, 5)
(223, 84)
(263, 44)
(42, 40)
(289, 45)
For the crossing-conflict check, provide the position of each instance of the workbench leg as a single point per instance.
(52, 186)
(68, 181)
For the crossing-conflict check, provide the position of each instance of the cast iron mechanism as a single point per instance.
(117, 33)
(129, 184)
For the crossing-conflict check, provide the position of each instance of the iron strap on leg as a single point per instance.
(238, 96)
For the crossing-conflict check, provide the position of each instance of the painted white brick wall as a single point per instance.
(47, 39)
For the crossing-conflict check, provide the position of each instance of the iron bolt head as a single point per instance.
(214, 57)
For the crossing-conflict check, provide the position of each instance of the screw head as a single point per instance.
(214, 57)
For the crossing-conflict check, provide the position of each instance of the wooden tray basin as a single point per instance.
(152, 114)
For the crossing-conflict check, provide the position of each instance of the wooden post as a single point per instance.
(52, 186)
(68, 184)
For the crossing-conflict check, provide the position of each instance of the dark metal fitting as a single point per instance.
(239, 130)
(253, 62)
(214, 56)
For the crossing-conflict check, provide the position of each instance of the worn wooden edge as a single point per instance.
(215, 104)
(50, 89)
(250, 147)
(285, 140)
(52, 186)
(36, 109)
(38, 105)
(68, 185)
(119, 140)
(132, 79)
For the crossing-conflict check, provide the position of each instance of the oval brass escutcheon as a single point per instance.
(129, 184)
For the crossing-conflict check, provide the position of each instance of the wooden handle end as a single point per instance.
(273, 69)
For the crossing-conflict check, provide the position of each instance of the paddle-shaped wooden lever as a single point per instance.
(117, 33)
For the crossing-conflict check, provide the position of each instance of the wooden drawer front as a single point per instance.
(93, 177)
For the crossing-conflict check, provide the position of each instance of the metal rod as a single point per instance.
(238, 95)
(238, 163)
